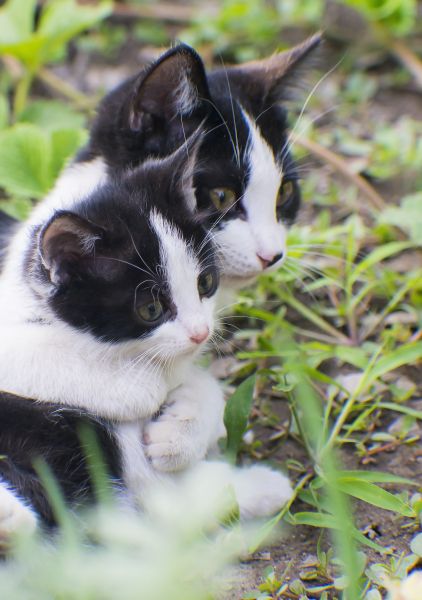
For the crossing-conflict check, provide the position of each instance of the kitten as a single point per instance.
(245, 179)
(104, 303)
(77, 276)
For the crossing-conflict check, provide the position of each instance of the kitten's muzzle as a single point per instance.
(199, 335)
(267, 261)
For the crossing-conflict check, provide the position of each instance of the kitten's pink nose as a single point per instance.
(268, 261)
(199, 335)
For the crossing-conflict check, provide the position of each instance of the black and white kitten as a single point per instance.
(245, 178)
(104, 304)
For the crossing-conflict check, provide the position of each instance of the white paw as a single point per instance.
(260, 491)
(173, 441)
(15, 517)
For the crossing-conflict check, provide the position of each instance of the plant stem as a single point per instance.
(315, 319)
(340, 165)
(408, 59)
(21, 93)
(64, 89)
(343, 416)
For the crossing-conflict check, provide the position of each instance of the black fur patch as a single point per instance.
(31, 430)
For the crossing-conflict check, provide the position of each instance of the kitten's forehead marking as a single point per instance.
(265, 175)
(178, 262)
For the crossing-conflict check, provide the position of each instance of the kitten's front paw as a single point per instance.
(173, 441)
(260, 491)
(15, 517)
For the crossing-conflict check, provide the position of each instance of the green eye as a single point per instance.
(285, 193)
(150, 311)
(207, 283)
(222, 198)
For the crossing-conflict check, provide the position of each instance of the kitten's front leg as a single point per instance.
(15, 517)
(189, 424)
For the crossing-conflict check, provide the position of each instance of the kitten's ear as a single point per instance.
(67, 246)
(173, 86)
(178, 169)
(271, 79)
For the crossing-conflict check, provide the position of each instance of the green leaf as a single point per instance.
(371, 476)
(397, 16)
(65, 143)
(378, 255)
(373, 494)
(52, 115)
(31, 158)
(60, 20)
(16, 21)
(408, 216)
(63, 19)
(236, 415)
(406, 410)
(326, 521)
(403, 355)
(18, 208)
(25, 155)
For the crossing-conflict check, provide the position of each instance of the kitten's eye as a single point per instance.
(207, 283)
(151, 311)
(286, 191)
(222, 198)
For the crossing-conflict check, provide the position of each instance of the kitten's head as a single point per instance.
(131, 262)
(245, 180)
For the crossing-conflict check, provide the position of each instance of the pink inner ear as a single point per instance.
(66, 240)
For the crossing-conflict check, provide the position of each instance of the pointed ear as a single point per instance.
(67, 246)
(270, 80)
(178, 169)
(174, 85)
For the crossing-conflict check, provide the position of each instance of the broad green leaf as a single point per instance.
(52, 115)
(60, 20)
(373, 494)
(408, 216)
(63, 19)
(25, 154)
(403, 355)
(16, 21)
(18, 208)
(64, 144)
(31, 158)
(236, 415)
